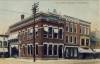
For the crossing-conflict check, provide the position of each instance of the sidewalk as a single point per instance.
(63, 61)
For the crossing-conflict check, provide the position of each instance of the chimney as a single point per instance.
(22, 16)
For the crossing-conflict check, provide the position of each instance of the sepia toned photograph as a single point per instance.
(49, 31)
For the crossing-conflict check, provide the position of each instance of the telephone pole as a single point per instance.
(34, 12)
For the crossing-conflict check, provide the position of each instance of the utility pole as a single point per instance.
(34, 11)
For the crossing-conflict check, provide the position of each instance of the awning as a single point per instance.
(82, 50)
(97, 50)
(13, 36)
(14, 46)
(3, 50)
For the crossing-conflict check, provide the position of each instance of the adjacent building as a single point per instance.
(4, 46)
(56, 36)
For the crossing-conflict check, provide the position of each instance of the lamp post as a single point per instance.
(34, 11)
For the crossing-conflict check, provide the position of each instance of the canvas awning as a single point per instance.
(97, 50)
(3, 50)
(15, 46)
(13, 36)
(82, 50)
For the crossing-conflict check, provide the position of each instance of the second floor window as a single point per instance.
(50, 32)
(60, 33)
(82, 42)
(75, 39)
(71, 39)
(67, 27)
(36, 31)
(66, 39)
(87, 31)
(71, 27)
(55, 33)
(45, 31)
(30, 31)
(75, 28)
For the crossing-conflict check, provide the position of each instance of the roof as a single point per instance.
(47, 15)
(38, 14)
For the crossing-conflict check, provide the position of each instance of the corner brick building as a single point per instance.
(56, 36)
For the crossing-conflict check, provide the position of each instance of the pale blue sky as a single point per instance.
(10, 10)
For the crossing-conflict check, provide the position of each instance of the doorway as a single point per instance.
(60, 49)
(14, 52)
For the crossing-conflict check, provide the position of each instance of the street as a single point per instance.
(61, 61)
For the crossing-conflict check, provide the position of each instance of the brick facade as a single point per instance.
(52, 30)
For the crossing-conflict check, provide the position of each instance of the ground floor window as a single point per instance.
(36, 49)
(75, 53)
(24, 50)
(50, 50)
(60, 53)
(67, 52)
(82, 42)
(45, 49)
(71, 52)
(30, 48)
(55, 49)
(87, 42)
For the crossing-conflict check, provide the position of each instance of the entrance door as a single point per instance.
(60, 48)
(14, 51)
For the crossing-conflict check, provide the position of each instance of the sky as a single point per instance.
(88, 10)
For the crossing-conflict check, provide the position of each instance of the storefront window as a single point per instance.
(31, 48)
(45, 49)
(50, 50)
(5, 44)
(36, 49)
(55, 49)
(75, 52)
(28, 49)
(87, 42)
(67, 52)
